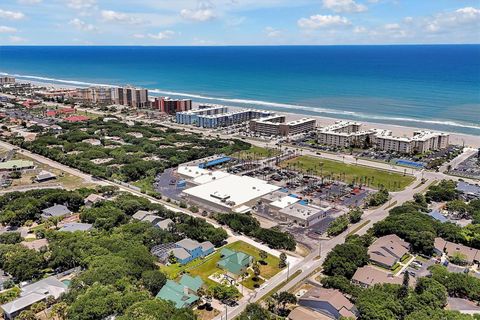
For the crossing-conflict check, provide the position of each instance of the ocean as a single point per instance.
(428, 86)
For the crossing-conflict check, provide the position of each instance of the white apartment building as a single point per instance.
(347, 133)
(344, 134)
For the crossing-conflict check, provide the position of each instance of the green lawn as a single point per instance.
(249, 283)
(146, 185)
(208, 266)
(255, 153)
(348, 173)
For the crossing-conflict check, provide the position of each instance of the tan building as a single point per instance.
(369, 275)
(7, 80)
(275, 125)
(329, 302)
(451, 249)
(130, 96)
(95, 95)
(388, 250)
(302, 313)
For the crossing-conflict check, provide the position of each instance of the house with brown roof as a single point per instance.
(329, 302)
(369, 275)
(388, 250)
(470, 255)
(302, 313)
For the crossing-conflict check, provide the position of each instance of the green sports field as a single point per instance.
(374, 178)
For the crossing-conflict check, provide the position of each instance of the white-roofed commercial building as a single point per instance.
(229, 192)
(303, 215)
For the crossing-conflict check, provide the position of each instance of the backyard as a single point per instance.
(347, 173)
(208, 266)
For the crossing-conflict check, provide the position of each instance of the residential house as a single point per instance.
(388, 250)
(184, 293)
(234, 263)
(140, 214)
(76, 226)
(33, 293)
(329, 302)
(187, 250)
(165, 224)
(57, 210)
(152, 218)
(369, 275)
(470, 255)
(44, 176)
(302, 313)
(155, 220)
(93, 199)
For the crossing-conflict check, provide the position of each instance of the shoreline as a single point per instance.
(398, 130)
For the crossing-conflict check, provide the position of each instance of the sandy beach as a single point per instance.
(455, 138)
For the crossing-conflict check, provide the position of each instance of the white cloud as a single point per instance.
(344, 6)
(114, 16)
(198, 15)
(139, 36)
(203, 12)
(392, 26)
(322, 21)
(447, 21)
(81, 4)
(12, 15)
(82, 25)
(5, 29)
(163, 35)
(272, 32)
(16, 39)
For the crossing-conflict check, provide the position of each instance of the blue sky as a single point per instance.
(238, 22)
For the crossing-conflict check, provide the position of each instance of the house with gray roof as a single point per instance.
(92, 199)
(33, 293)
(45, 176)
(187, 250)
(76, 226)
(140, 214)
(57, 210)
(152, 218)
(164, 224)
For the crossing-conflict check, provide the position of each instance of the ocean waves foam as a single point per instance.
(315, 110)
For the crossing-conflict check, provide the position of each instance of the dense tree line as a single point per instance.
(346, 258)
(248, 225)
(18, 207)
(420, 230)
(378, 198)
(459, 285)
(134, 158)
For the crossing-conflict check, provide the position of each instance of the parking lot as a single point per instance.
(166, 184)
(469, 168)
(419, 268)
